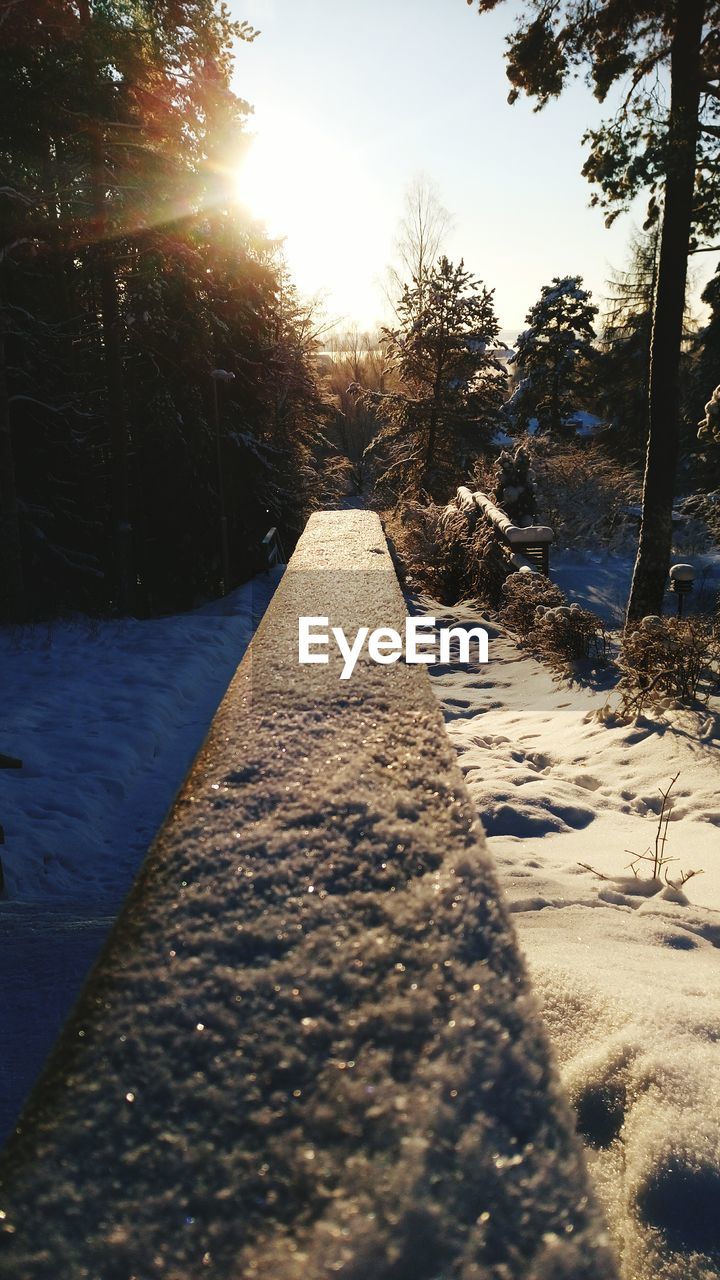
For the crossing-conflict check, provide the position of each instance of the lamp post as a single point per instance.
(682, 577)
(221, 375)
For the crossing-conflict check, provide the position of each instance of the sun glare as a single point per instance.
(313, 193)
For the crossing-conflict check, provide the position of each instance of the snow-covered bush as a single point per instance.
(536, 609)
(523, 594)
(568, 633)
(709, 427)
(451, 552)
(675, 657)
(418, 543)
(514, 486)
(582, 494)
(702, 512)
(435, 549)
(483, 474)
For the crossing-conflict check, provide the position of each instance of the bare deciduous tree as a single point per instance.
(422, 232)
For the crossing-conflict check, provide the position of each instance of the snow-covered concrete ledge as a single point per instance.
(309, 1048)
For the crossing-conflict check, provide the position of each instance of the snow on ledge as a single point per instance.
(309, 1047)
(527, 535)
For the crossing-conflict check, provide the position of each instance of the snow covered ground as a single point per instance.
(628, 972)
(106, 718)
(600, 580)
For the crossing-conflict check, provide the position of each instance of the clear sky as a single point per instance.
(353, 100)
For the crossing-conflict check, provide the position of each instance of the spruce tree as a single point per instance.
(554, 355)
(451, 384)
(128, 273)
(623, 367)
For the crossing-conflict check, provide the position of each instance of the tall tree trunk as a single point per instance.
(434, 419)
(112, 350)
(653, 556)
(556, 423)
(117, 423)
(431, 437)
(12, 587)
(58, 222)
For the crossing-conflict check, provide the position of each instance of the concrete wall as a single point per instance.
(309, 1048)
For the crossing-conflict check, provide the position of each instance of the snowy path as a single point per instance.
(629, 980)
(107, 718)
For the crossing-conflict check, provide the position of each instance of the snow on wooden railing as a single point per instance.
(532, 541)
(272, 549)
(309, 1047)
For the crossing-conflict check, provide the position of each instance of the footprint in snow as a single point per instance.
(587, 782)
(539, 760)
(460, 712)
(526, 820)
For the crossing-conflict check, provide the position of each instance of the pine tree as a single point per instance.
(554, 355)
(451, 384)
(128, 274)
(623, 367)
(12, 578)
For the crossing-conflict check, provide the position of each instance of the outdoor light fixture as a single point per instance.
(682, 577)
(221, 375)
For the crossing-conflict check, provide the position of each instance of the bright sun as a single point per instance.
(310, 191)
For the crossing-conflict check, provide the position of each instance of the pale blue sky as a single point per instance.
(354, 99)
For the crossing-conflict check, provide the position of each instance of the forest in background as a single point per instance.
(128, 274)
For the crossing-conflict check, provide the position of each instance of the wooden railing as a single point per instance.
(532, 542)
(272, 549)
(309, 1048)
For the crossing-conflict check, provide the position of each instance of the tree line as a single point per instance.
(437, 389)
(128, 274)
